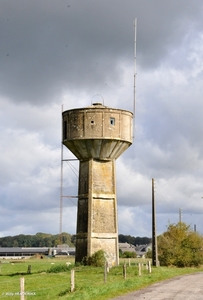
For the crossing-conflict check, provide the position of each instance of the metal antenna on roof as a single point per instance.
(61, 186)
(135, 73)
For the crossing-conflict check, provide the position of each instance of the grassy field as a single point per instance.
(89, 281)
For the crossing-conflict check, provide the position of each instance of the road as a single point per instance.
(187, 287)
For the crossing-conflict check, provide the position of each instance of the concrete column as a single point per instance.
(97, 226)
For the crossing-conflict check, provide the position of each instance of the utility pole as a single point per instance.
(180, 216)
(154, 238)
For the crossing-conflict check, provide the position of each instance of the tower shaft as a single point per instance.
(97, 210)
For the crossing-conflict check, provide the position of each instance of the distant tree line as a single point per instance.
(38, 240)
(134, 240)
(49, 240)
(126, 239)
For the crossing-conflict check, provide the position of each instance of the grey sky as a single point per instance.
(65, 52)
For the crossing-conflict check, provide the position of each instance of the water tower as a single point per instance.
(97, 135)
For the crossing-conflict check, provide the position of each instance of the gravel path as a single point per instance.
(187, 287)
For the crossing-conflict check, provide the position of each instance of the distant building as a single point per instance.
(20, 252)
(125, 247)
(140, 250)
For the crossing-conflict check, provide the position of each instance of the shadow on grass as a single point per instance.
(63, 293)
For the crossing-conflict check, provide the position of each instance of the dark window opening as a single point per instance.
(65, 130)
(112, 121)
(92, 122)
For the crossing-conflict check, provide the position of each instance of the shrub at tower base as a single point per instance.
(180, 246)
(97, 259)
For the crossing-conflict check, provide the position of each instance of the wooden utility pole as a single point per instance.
(154, 238)
(180, 216)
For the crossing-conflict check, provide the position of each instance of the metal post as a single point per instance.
(61, 188)
(135, 73)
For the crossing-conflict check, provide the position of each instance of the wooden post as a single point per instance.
(124, 270)
(72, 280)
(22, 288)
(105, 272)
(139, 269)
(107, 266)
(149, 267)
(29, 269)
(129, 262)
(154, 238)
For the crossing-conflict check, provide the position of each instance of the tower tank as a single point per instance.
(97, 135)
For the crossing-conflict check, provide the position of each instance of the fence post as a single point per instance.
(107, 266)
(129, 262)
(22, 288)
(124, 270)
(29, 269)
(149, 267)
(105, 272)
(72, 280)
(139, 269)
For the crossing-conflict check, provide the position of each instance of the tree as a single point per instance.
(133, 240)
(38, 240)
(15, 243)
(180, 246)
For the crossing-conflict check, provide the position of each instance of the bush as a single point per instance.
(97, 259)
(60, 268)
(180, 246)
(149, 254)
(128, 254)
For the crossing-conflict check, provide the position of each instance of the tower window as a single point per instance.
(65, 130)
(112, 121)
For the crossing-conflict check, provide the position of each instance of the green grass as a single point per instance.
(89, 281)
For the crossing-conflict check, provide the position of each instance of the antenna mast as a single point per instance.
(135, 73)
(61, 188)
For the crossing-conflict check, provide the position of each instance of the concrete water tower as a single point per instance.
(97, 135)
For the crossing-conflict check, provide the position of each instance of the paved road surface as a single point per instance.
(188, 287)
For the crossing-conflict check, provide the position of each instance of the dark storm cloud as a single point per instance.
(48, 47)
